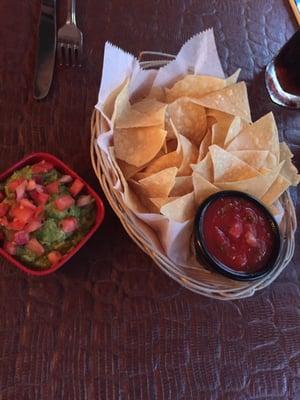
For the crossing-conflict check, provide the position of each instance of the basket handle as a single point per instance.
(154, 59)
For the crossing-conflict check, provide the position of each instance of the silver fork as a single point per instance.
(70, 40)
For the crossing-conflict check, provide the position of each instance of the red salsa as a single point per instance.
(238, 233)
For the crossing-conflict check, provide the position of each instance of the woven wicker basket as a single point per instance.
(199, 280)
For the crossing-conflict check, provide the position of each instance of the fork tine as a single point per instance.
(59, 51)
(74, 50)
(68, 55)
(79, 55)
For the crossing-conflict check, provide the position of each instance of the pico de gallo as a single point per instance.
(238, 233)
(43, 214)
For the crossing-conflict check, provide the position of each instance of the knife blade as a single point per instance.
(46, 48)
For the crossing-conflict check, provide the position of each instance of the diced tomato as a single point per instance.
(64, 202)
(20, 190)
(27, 203)
(250, 239)
(16, 224)
(21, 238)
(236, 229)
(10, 248)
(54, 256)
(4, 207)
(250, 228)
(41, 167)
(76, 187)
(2, 196)
(53, 187)
(39, 211)
(222, 239)
(250, 215)
(66, 179)
(35, 246)
(239, 261)
(3, 221)
(14, 184)
(39, 188)
(69, 224)
(31, 185)
(40, 198)
(22, 213)
(33, 225)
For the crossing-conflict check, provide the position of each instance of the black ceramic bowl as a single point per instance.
(211, 261)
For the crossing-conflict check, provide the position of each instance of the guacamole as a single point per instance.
(43, 214)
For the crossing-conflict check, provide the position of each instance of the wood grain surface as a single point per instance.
(110, 324)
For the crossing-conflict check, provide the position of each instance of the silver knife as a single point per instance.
(46, 48)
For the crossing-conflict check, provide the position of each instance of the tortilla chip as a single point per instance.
(220, 127)
(189, 119)
(104, 124)
(274, 210)
(157, 93)
(219, 117)
(181, 209)
(188, 151)
(140, 175)
(279, 186)
(205, 168)
(131, 200)
(255, 158)
(138, 146)
(285, 152)
(198, 85)
(189, 156)
(161, 201)
(148, 112)
(234, 129)
(202, 188)
(194, 86)
(228, 168)
(231, 80)
(261, 135)
(128, 170)
(165, 146)
(168, 160)
(218, 134)
(290, 172)
(231, 100)
(206, 142)
(271, 161)
(108, 107)
(256, 186)
(156, 185)
(183, 185)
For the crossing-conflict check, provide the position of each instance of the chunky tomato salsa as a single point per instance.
(238, 233)
(43, 214)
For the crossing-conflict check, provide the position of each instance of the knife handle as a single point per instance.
(295, 9)
(71, 19)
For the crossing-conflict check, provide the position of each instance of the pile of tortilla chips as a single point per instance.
(180, 145)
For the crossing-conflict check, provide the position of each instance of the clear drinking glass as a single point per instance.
(283, 74)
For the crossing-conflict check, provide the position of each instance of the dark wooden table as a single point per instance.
(110, 324)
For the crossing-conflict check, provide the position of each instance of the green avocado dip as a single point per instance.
(43, 214)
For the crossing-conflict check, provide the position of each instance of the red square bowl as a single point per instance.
(62, 167)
